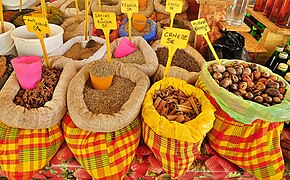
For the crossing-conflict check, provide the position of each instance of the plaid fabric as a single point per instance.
(254, 147)
(176, 156)
(104, 155)
(25, 152)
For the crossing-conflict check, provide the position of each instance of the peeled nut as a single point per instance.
(249, 96)
(226, 75)
(281, 84)
(259, 99)
(280, 96)
(233, 87)
(239, 69)
(263, 80)
(260, 86)
(282, 90)
(243, 85)
(276, 100)
(237, 93)
(246, 78)
(265, 95)
(217, 75)
(274, 78)
(232, 70)
(257, 75)
(257, 92)
(210, 69)
(226, 82)
(219, 68)
(273, 92)
(273, 85)
(250, 84)
(234, 78)
(268, 99)
(244, 64)
(247, 71)
(253, 66)
(242, 91)
(265, 74)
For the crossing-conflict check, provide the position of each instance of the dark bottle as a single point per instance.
(284, 15)
(273, 60)
(287, 77)
(276, 10)
(282, 69)
(260, 5)
(269, 8)
(282, 59)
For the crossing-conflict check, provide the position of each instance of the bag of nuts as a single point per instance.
(250, 115)
(173, 133)
(159, 6)
(30, 122)
(67, 51)
(187, 58)
(149, 9)
(69, 10)
(149, 56)
(104, 138)
(107, 6)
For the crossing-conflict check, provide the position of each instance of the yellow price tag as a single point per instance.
(105, 20)
(128, 6)
(173, 6)
(37, 24)
(173, 38)
(200, 26)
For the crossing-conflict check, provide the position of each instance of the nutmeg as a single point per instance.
(239, 69)
(274, 85)
(249, 96)
(273, 92)
(259, 99)
(234, 78)
(282, 90)
(276, 100)
(253, 66)
(260, 86)
(233, 87)
(281, 84)
(217, 75)
(256, 75)
(247, 71)
(226, 74)
(274, 78)
(232, 70)
(265, 74)
(226, 82)
(268, 99)
(243, 85)
(266, 104)
(246, 78)
(219, 68)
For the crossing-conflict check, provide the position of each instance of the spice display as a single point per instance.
(135, 32)
(180, 59)
(175, 105)
(246, 81)
(81, 4)
(43, 91)
(76, 52)
(136, 57)
(111, 100)
(101, 69)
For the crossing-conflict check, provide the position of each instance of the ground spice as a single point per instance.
(135, 32)
(76, 52)
(111, 100)
(101, 68)
(180, 59)
(42, 93)
(136, 57)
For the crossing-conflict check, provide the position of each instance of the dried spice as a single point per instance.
(180, 59)
(42, 93)
(174, 105)
(8, 69)
(111, 100)
(135, 32)
(136, 57)
(76, 52)
(101, 68)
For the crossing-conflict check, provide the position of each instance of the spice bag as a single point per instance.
(79, 64)
(71, 12)
(243, 133)
(72, 28)
(161, 8)
(105, 144)
(151, 61)
(174, 144)
(177, 72)
(30, 138)
(149, 9)
(107, 6)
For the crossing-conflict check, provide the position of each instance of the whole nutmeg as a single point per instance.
(234, 78)
(259, 99)
(219, 68)
(226, 74)
(274, 78)
(266, 104)
(260, 86)
(210, 69)
(237, 93)
(281, 84)
(233, 87)
(249, 96)
(273, 84)
(244, 64)
(268, 99)
(247, 71)
(226, 82)
(217, 75)
(250, 84)
(246, 78)
(253, 66)
(272, 92)
(282, 90)
(239, 69)
(276, 100)
(257, 92)
(257, 75)
(242, 91)
(265, 95)
(280, 96)
(265, 74)
(243, 85)
(232, 70)
(263, 80)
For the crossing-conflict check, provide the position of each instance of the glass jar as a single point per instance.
(236, 13)
(260, 5)
(269, 8)
(276, 10)
(284, 15)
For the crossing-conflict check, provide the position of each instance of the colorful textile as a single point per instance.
(105, 155)
(25, 152)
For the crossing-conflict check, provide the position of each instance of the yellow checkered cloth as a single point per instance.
(25, 152)
(105, 155)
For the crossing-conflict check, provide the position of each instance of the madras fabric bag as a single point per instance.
(105, 144)
(175, 145)
(30, 138)
(245, 132)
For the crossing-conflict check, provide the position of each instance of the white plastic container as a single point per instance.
(14, 4)
(27, 43)
(10, 50)
(5, 39)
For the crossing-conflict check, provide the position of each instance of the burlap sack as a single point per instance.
(72, 28)
(149, 9)
(86, 120)
(79, 64)
(166, 22)
(37, 4)
(110, 6)
(70, 12)
(160, 8)
(38, 118)
(177, 72)
(151, 61)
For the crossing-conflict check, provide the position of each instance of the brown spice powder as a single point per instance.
(136, 57)
(76, 52)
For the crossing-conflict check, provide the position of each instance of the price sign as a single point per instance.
(201, 27)
(129, 7)
(105, 20)
(173, 38)
(173, 7)
(37, 24)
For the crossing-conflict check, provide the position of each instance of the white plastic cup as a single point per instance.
(5, 39)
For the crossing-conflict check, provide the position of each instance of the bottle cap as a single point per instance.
(279, 48)
(283, 55)
(288, 48)
(287, 77)
(288, 62)
(283, 67)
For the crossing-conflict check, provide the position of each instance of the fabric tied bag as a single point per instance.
(30, 138)
(104, 144)
(175, 145)
(245, 132)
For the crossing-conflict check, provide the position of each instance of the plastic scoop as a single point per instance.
(2, 18)
(91, 43)
(124, 48)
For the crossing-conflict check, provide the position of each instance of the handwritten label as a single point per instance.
(129, 6)
(200, 26)
(105, 20)
(175, 37)
(174, 6)
(37, 24)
